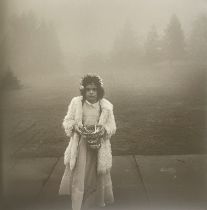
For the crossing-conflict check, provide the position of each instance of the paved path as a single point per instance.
(139, 182)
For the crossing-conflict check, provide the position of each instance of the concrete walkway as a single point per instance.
(139, 182)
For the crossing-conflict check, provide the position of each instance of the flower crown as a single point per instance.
(90, 78)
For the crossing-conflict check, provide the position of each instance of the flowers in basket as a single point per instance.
(93, 135)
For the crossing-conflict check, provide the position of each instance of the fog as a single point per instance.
(78, 36)
(151, 55)
(87, 25)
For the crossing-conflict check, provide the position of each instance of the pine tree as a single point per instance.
(152, 46)
(174, 40)
(33, 47)
(9, 80)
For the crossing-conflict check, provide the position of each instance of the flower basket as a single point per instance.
(93, 135)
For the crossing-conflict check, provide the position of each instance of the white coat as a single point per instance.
(74, 116)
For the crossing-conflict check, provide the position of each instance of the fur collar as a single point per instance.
(106, 119)
(106, 106)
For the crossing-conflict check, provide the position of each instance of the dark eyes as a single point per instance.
(89, 89)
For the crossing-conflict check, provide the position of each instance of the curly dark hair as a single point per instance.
(89, 79)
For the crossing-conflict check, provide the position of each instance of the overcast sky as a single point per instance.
(87, 25)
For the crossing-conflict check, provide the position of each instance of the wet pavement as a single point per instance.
(139, 182)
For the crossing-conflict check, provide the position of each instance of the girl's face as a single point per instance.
(91, 93)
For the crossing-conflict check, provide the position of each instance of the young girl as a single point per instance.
(87, 173)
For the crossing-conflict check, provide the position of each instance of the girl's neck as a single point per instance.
(92, 102)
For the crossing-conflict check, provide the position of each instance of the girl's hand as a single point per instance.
(78, 128)
(101, 129)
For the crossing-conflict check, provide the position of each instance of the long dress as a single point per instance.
(86, 187)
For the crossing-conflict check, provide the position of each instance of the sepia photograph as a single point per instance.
(103, 105)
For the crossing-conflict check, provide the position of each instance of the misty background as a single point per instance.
(49, 38)
(151, 55)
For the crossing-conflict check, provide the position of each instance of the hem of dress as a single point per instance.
(64, 194)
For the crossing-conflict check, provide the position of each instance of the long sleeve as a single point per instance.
(69, 119)
(107, 118)
(104, 153)
(110, 124)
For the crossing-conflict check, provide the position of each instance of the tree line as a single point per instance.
(31, 47)
(172, 46)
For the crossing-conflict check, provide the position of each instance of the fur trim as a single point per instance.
(74, 115)
(70, 154)
(104, 157)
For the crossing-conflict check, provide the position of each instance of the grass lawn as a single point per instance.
(157, 110)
